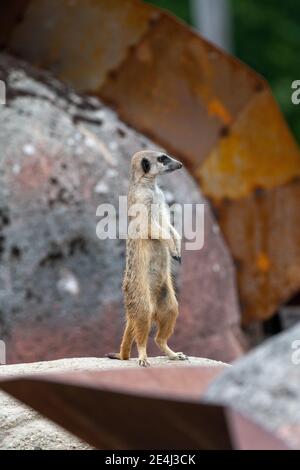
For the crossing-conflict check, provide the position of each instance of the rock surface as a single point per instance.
(61, 155)
(23, 428)
(265, 385)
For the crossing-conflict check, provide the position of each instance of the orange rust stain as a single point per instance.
(216, 108)
(259, 151)
(263, 262)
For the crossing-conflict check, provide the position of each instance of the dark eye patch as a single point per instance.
(163, 159)
(146, 165)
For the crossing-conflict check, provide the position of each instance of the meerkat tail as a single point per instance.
(113, 355)
(124, 354)
(127, 340)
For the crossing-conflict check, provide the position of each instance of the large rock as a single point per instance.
(23, 428)
(61, 155)
(265, 385)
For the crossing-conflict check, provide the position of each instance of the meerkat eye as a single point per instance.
(146, 165)
(163, 159)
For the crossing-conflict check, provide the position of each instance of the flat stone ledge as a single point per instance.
(102, 363)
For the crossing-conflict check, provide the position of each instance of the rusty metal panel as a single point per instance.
(121, 49)
(256, 153)
(263, 231)
(248, 435)
(202, 105)
(11, 13)
(252, 179)
(95, 406)
(80, 40)
(185, 95)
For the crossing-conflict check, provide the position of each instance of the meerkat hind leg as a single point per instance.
(166, 322)
(142, 327)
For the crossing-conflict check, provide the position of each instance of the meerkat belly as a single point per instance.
(147, 267)
(158, 264)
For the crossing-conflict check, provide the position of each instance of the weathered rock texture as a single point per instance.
(61, 155)
(265, 385)
(23, 428)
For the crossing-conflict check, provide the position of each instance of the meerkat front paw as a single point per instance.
(178, 247)
(175, 251)
(179, 357)
(143, 362)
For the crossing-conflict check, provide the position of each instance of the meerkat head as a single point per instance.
(149, 164)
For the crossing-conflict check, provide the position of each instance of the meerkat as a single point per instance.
(148, 288)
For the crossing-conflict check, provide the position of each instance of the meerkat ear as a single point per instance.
(146, 165)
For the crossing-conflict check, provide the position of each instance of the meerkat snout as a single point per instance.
(169, 163)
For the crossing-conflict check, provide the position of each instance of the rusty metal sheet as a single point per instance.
(96, 405)
(265, 385)
(193, 90)
(248, 435)
(252, 177)
(104, 30)
(11, 14)
(204, 106)
(262, 230)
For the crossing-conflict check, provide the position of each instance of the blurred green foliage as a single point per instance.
(266, 37)
(180, 8)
